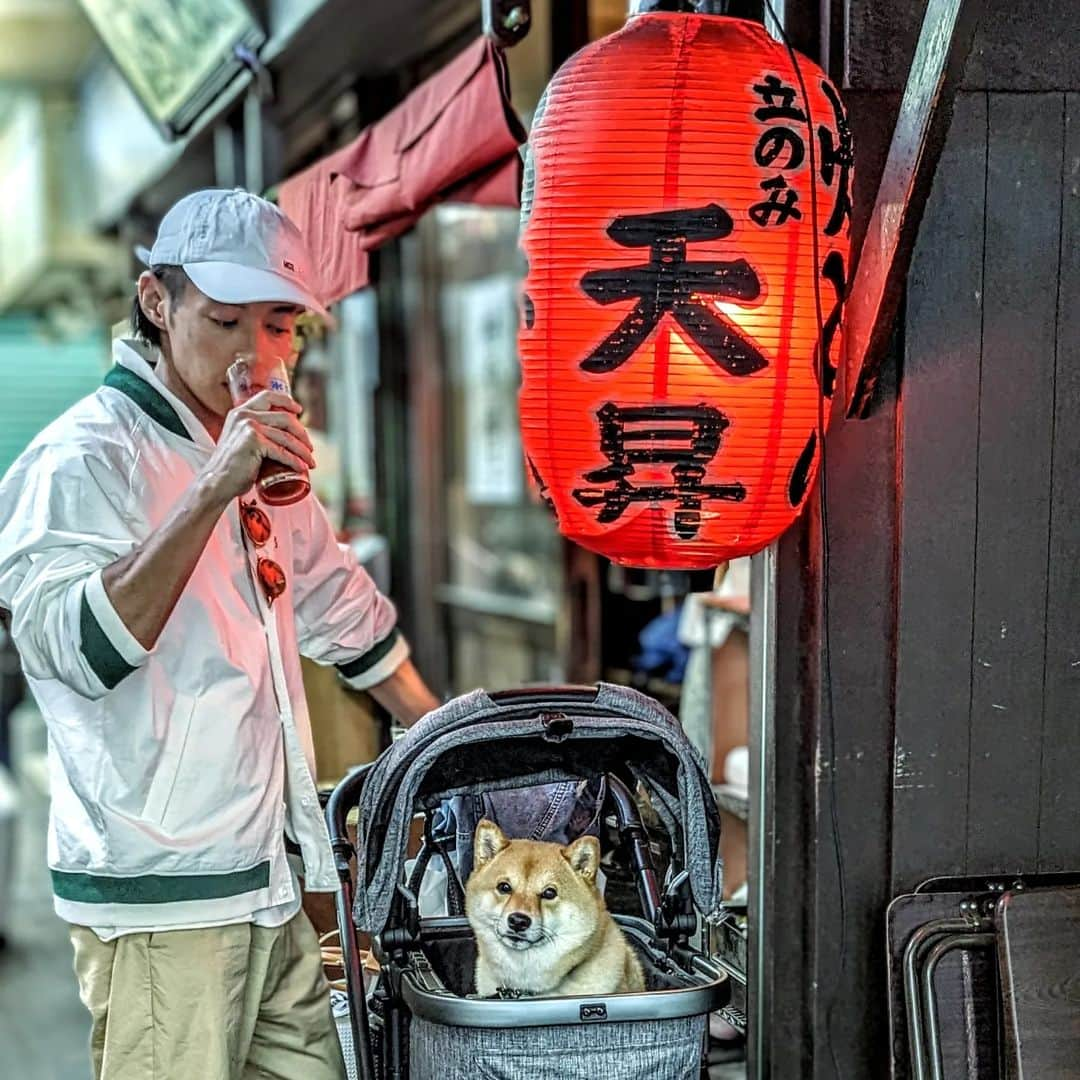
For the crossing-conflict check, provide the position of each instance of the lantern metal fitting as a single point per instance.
(506, 22)
(700, 7)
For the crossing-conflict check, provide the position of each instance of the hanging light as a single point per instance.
(685, 220)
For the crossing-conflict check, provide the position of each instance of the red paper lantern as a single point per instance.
(669, 344)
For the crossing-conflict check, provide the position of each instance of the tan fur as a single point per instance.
(571, 945)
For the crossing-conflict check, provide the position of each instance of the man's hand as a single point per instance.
(265, 426)
(144, 585)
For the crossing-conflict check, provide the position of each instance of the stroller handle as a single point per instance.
(545, 696)
(344, 797)
(633, 835)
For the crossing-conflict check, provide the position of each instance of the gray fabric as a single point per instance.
(557, 813)
(467, 724)
(659, 1050)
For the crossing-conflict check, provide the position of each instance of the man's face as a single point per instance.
(202, 338)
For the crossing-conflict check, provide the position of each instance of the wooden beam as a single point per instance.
(948, 27)
(569, 29)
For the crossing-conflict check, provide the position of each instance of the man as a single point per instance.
(160, 613)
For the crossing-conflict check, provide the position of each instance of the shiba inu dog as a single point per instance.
(541, 925)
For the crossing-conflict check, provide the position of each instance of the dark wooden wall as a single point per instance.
(988, 671)
(927, 713)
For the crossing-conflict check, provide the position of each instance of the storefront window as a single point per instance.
(355, 363)
(335, 381)
(503, 559)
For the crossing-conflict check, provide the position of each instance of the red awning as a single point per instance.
(453, 139)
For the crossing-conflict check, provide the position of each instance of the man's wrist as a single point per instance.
(209, 493)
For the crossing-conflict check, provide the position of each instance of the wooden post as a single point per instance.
(925, 112)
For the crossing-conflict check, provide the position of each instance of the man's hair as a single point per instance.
(175, 281)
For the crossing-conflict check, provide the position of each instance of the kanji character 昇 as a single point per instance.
(685, 437)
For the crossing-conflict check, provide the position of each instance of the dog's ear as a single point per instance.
(583, 855)
(488, 842)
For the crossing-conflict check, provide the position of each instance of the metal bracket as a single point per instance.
(407, 933)
(506, 22)
(700, 7)
(676, 921)
(263, 80)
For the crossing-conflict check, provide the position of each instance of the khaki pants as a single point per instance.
(229, 1003)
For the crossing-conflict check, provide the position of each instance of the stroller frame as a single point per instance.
(670, 917)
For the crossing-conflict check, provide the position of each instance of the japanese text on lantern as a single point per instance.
(686, 438)
(837, 158)
(688, 259)
(780, 147)
(673, 284)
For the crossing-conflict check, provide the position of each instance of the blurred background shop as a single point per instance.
(112, 109)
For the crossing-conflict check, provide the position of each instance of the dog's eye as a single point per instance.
(504, 887)
(549, 893)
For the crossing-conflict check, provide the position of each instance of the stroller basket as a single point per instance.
(658, 1034)
(423, 1021)
(437, 985)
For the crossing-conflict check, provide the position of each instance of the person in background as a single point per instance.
(160, 611)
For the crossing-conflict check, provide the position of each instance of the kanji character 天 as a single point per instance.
(671, 283)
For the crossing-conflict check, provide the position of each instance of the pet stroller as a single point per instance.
(421, 1020)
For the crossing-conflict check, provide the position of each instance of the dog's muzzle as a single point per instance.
(520, 931)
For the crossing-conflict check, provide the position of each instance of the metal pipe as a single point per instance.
(762, 825)
(254, 156)
(929, 1001)
(354, 983)
(919, 940)
(344, 797)
(392, 1055)
(224, 155)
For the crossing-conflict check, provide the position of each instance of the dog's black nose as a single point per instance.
(518, 922)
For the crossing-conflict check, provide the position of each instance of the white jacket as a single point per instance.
(174, 772)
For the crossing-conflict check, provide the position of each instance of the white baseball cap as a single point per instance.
(236, 248)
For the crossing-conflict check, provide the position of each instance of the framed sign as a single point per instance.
(176, 55)
(481, 319)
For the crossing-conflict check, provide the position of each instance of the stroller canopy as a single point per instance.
(481, 742)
